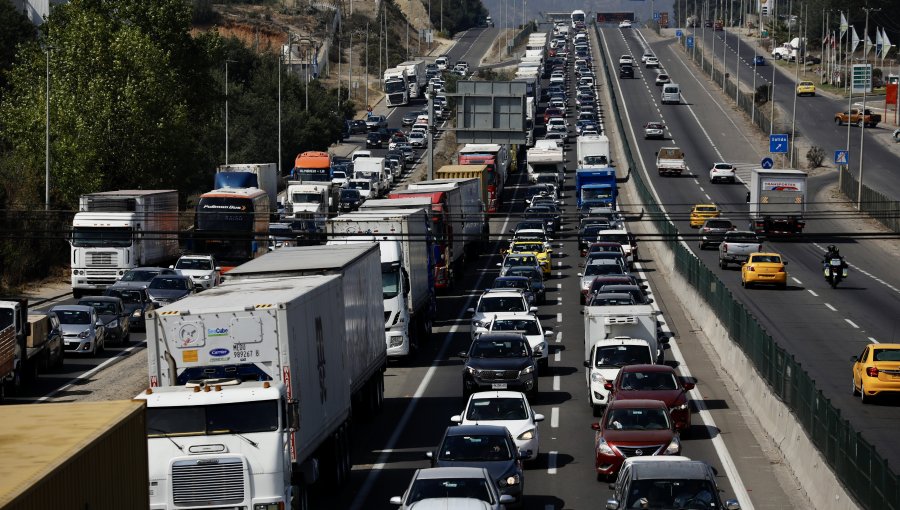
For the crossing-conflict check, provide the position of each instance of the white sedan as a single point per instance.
(464, 487)
(625, 24)
(626, 60)
(722, 172)
(508, 409)
(417, 139)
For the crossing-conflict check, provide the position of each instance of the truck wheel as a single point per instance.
(300, 497)
(838, 122)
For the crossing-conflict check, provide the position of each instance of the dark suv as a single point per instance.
(660, 482)
(626, 71)
(500, 361)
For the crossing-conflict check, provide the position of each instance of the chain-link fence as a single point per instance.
(855, 462)
(878, 206)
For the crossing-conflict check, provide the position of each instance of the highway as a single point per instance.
(820, 326)
(814, 115)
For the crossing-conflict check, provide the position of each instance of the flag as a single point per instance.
(844, 25)
(879, 43)
(833, 40)
(886, 43)
(867, 46)
(854, 40)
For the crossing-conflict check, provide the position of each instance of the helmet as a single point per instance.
(832, 248)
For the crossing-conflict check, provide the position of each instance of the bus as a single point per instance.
(232, 224)
(578, 16)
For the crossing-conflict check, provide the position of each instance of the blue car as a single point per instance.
(759, 60)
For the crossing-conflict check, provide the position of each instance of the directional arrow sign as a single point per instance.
(689, 42)
(841, 157)
(778, 143)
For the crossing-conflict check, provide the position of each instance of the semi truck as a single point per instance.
(777, 200)
(407, 270)
(250, 175)
(114, 231)
(596, 187)
(249, 388)
(312, 166)
(396, 88)
(366, 354)
(480, 173)
(415, 77)
(545, 160)
(311, 202)
(496, 158)
(98, 460)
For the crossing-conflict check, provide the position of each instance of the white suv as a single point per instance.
(495, 301)
(202, 269)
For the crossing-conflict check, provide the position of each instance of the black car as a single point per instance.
(485, 446)
(373, 141)
(168, 289)
(358, 127)
(350, 200)
(588, 235)
(500, 361)
(141, 276)
(111, 312)
(537, 281)
(135, 302)
(626, 72)
(550, 215)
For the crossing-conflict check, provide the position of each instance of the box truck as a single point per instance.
(415, 77)
(114, 231)
(250, 175)
(777, 201)
(595, 187)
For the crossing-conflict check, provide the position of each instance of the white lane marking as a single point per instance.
(707, 197)
(559, 337)
(375, 471)
(557, 356)
(559, 317)
(833, 309)
(554, 417)
(551, 463)
(559, 286)
(796, 280)
(558, 300)
(851, 323)
(89, 373)
(873, 340)
(812, 292)
(555, 383)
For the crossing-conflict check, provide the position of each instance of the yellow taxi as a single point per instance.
(765, 268)
(876, 371)
(536, 248)
(806, 88)
(702, 212)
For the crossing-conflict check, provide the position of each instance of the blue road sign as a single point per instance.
(679, 33)
(841, 157)
(778, 144)
(767, 163)
(689, 42)
(656, 15)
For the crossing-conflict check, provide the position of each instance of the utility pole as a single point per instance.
(280, 58)
(226, 108)
(367, 64)
(862, 130)
(792, 143)
(47, 135)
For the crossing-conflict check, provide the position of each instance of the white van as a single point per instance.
(671, 93)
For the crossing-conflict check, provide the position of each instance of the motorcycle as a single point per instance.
(835, 271)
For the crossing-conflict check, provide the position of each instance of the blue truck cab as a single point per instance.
(596, 187)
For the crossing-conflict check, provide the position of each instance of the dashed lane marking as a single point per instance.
(848, 321)
(833, 309)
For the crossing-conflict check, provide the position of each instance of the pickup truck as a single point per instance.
(866, 119)
(670, 160)
(737, 246)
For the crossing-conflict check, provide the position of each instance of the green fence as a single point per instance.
(878, 206)
(855, 462)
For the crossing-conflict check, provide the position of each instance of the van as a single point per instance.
(671, 93)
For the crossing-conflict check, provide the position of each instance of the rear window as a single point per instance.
(886, 355)
(719, 224)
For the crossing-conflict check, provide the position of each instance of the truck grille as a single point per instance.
(638, 451)
(218, 481)
(101, 259)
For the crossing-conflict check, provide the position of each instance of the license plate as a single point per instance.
(498, 386)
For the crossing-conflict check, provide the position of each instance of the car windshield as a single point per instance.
(200, 420)
(621, 355)
(637, 419)
(769, 259)
(136, 275)
(496, 408)
(102, 307)
(614, 238)
(527, 247)
(483, 448)
(672, 493)
(73, 317)
(526, 326)
(601, 269)
(194, 264)
(127, 296)
(520, 261)
(527, 272)
(169, 284)
(349, 194)
(649, 381)
(506, 348)
(471, 488)
(510, 283)
(494, 304)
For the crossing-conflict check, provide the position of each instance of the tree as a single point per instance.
(15, 29)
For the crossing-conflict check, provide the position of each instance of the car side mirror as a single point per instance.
(732, 504)
(538, 418)
(457, 419)
(548, 333)
(470, 310)
(462, 354)
(396, 500)
(688, 386)
(429, 455)
(587, 363)
(854, 358)
(785, 262)
(579, 275)
(171, 267)
(595, 426)
(506, 499)
(611, 504)
(99, 323)
(218, 268)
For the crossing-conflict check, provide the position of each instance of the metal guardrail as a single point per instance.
(881, 208)
(855, 462)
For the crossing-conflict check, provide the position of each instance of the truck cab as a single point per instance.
(311, 201)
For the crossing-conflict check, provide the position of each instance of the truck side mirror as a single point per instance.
(748, 197)
(294, 415)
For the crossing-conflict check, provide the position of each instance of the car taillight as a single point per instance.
(872, 371)
(725, 247)
(750, 268)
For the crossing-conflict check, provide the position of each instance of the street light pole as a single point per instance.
(47, 137)
(280, 58)
(862, 129)
(226, 108)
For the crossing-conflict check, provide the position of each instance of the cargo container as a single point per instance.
(243, 175)
(777, 200)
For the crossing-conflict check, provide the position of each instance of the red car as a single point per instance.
(656, 382)
(632, 428)
(550, 113)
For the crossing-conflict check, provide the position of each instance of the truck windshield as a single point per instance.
(306, 198)
(393, 86)
(390, 282)
(539, 168)
(101, 237)
(6, 318)
(595, 160)
(595, 193)
(238, 418)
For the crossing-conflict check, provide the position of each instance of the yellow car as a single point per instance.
(761, 267)
(876, 371)
(536, 248)
(702, 212)
(806, 88)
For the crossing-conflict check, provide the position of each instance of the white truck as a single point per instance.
(373, 169)
(249, 398)
(670, 161)
(407, 269)
(415, 77)
(396, 88)
(114, 231)
(777, 200)
(266, 176)
(545, 160)
(311, 201)
(592, 151)
(366, 354)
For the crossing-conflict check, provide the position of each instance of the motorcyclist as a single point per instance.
(832, 252)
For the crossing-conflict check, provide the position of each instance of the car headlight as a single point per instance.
(529, 369)
(478, 324)
(509, 480)
(113, 323)
(527, 435)
(206, 277)
(604, 448)
(674, 447)
(682, 407)
(137, 312)
(597, 377)
(84, 334)
(472, 371)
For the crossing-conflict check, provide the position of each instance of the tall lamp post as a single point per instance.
(47, 135)
(306, 43)
(862, 130)
(227, 61)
